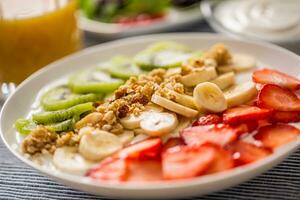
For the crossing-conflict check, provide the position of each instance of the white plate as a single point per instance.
(19, 104)
(174, 18)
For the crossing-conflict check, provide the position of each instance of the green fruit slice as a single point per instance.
(121, 67)
(61, 115)
(162, 55)
(93, 81)
(66, 125)
(62, 98)
(24, 126)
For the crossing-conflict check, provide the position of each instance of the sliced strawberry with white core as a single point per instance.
(277, 98)
(144, 170)
(274, 136)
(172, 142)
(244, 152)
(271, 76)
(221, 134)
(149, 148)
(186, 162)
(285, 116)
(223, 160)
(243, 114)
(207, 120)
(114, 170)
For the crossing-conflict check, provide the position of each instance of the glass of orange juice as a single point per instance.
(34, 33)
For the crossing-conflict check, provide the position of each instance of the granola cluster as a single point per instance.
(218, 55)
(42, 139)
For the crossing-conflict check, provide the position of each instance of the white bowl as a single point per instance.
(19, 104)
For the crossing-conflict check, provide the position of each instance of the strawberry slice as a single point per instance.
(172, 142)
(207, 120)
(243, 114)
(149, 148)
(219, 134)
(274, 136)
(113, 170)
(285, 116)
(271, 76)
(186, 162)
(144, 170)
(244, 152)
(277, 98)
(223, 160)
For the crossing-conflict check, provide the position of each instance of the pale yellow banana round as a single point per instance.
(172, 106)
(158, 124)
(126, 137)
(194, 78)
(210, 97)
(139, 137)
(225, 69)
(69, 160)
(131, 121)
(99, 144)
(183, 99)
(224, 80)
(240, 94)
(242, 62)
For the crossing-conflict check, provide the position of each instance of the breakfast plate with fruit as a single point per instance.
(158, 116)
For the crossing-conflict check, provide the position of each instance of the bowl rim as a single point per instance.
(196, 181)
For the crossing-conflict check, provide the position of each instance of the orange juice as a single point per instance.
(34, 33)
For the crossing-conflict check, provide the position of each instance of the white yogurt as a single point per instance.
(271, 20)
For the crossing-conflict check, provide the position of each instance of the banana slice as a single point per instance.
(69, 160)
(183, 99)
(209, 96)
(225, 69)
(85, 130)
(183, 123)
(98, 145)
(242, 62)
(240, 94)
(224, 80)
(153, 107)
(157, 124)
(172, 106)
(126, 137)
(139, 138)
(205, 74)
(133, 121)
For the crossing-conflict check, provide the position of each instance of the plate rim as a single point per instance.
(208, 179)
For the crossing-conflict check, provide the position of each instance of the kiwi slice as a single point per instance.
(24, 126)
(66, 125)
(62, 97)
(93, 81)
(121, 67)
(61, 115)
(162, 55)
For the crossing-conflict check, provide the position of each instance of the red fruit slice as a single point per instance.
(172, 142)
(223, 160)
(245, 153)
(277, 98)
(219, 134)
(270, 76)
(243, 114)
(186, 162)
(144, 170)
(285, 116)
(207, 120)
(149, 148)
(114, 170)
(274, 136)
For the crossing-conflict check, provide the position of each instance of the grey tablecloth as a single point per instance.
(18, 181)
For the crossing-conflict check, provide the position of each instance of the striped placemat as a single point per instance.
(18, 181)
